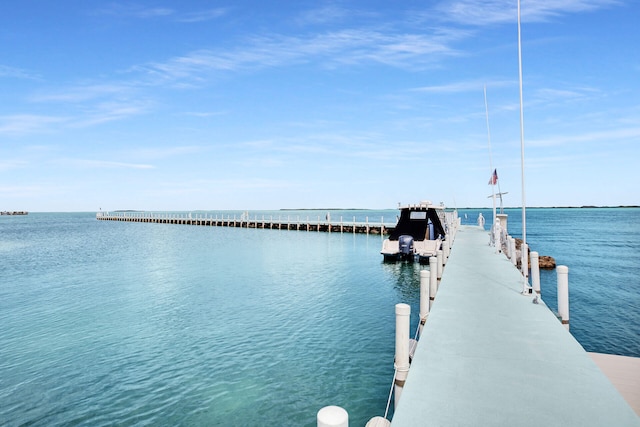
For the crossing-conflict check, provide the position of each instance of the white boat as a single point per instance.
(418, 233)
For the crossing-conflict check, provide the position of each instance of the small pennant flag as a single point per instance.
(494, 178)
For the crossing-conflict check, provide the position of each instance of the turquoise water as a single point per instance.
(114, 323)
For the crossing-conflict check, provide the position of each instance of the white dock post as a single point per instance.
(424, 296)
(440, 263)
(514, 253)
(563, 294)
(378, 422)
(524, 259)
(333, 416)
(447, 249)
(507, 244)
(535, 272)
(497, 236)
(403, 314)
(433, 279)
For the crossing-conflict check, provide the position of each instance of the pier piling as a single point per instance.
(535, 272)
(403, 313)
(333, 416)
(425, 277)
(433, 279)
(563, 294)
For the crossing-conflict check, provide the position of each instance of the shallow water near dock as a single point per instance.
(117, 323)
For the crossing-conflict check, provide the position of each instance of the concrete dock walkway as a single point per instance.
(488, 356)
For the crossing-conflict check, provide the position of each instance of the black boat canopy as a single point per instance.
(415, 222)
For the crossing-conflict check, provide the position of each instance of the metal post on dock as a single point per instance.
(433, 279)
(524, 268)
(563, 294)
(333, 416)
(403, 314)
(535, 272)
(424, 296)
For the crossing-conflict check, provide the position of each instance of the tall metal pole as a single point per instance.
(525, 270)
(493, 187)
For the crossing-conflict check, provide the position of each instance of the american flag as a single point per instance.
(494, 178)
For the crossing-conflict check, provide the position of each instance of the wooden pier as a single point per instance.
(256, 222)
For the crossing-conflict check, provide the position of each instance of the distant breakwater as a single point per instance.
(246, 221)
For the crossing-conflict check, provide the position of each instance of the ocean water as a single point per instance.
(114, 323)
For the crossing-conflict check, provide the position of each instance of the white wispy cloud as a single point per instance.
(6, 165)
(24, 191)
(204, 114)
(465, 86)
(91, 104)
(323, 15)
(133, 10)
(604, 136)
(155, 153)
(219, 186)
(18, 73)
(23, 124)
(105, 164)
(563, 95)
(109, 111)
(487, 12)
(19, 124)
(84, 92)
(351, 46)
(203, 15)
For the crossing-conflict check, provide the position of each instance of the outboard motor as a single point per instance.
(405, 244)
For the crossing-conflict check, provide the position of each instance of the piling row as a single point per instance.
(405, 346)
(248, 222)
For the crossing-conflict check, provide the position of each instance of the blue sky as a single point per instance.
(239, 104)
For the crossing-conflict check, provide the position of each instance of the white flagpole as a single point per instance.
(493, 187)
(525, 270)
